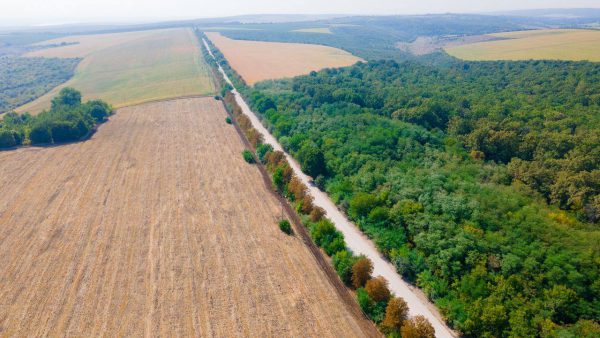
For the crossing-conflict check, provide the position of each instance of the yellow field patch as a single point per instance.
(257, 61)
(550, 44)
(131, 68)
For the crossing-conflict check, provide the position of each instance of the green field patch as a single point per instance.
(136, 68)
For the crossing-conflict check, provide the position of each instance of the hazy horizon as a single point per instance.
(53, 12)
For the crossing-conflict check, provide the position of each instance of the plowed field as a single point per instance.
(157, 227)
(257, 60)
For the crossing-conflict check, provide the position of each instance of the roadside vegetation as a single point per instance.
(479, 181)
(23, 80)
(67, 120)
(372, 294)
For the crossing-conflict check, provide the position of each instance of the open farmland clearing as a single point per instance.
(131, 68)
(550, 44)
(157, 227)
(257, 61)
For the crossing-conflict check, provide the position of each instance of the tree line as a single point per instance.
(67, 120)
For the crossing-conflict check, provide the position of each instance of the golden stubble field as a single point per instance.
(549, 44)
(257, 60)
(131, 68)
(155, 227)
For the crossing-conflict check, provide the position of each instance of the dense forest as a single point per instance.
(67, 120)
(479, 181)
(24, 79)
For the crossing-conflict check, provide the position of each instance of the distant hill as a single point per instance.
(569, 13)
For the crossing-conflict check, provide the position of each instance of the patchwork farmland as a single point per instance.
(256, 61)
(155, 226)
(131, 68)
(549, 44)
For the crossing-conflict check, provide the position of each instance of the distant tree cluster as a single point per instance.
(24, 79)
(67, 120)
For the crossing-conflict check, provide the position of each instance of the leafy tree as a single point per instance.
(307, 204)
(317, 214)
(312, 160)
(361, 272)
(378, 290)
(417, 327)
(395, 315)
(362, 204)
(67, 97)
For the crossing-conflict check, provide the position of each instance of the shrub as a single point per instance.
(40, 133)
(247, 154)
(337, 244)
(262, 150)
(364, 301)
(285, 226)
(278, 180)
(378, 290)
(228, 120)
(67, 97)
(327, 237)
(374, 310)
(361, 272)
(64, 131)
(343, 261)
(7, 139)
(99, 110)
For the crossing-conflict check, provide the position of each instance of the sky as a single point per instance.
(43, 12)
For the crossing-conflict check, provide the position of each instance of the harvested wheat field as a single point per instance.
(157, 227)
(131, 68)
(257, 61)
(547, 44)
